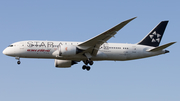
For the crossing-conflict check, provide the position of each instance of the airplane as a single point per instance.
(68, 53)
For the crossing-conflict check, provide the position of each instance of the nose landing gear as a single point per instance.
(18, 62)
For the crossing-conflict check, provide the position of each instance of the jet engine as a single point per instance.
(68, 50)
(64, 63)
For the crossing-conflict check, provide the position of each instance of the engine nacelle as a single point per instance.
(68, 50)
(62, 63)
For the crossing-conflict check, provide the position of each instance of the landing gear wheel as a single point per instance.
(84, 67)
(88, 68)
(91, 62)
(18, 62)
(86, 62)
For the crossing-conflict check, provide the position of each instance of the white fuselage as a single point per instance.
(107, 51)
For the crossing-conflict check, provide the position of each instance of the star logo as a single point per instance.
(155, 37)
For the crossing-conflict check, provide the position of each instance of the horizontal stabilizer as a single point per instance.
(161, 47)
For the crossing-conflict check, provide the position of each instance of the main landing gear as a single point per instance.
(18, 62)
(86, 62)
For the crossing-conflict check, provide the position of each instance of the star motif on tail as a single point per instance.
(155, 37)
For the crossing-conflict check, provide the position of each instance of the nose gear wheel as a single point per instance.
(18, 62)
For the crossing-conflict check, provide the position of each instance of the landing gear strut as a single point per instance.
(18, 62)
(89, 61)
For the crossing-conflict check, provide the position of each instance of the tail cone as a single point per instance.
(166, 51)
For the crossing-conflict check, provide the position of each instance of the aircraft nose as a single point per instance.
(4, 52)
(7, 52)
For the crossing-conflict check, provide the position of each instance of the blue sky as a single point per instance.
(150, 79)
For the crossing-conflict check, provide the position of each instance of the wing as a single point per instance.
(92, 45)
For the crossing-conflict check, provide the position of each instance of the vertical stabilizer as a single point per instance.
(155, 36)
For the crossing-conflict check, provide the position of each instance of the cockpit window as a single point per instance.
(10, 46)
